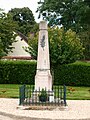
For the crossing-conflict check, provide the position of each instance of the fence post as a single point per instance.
(22, 94)
(61, 93)
(64, 95)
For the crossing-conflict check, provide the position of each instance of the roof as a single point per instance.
(23, 37)
(18, 57)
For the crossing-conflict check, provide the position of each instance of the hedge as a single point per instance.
(76, 74)
(17, 72)
(23, 72)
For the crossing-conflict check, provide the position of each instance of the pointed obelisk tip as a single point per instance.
(43, 25)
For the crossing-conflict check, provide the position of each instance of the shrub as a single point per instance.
(76, 74)
(23, 72)
(43, 96)
(18, 72)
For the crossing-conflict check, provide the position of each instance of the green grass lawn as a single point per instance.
(78, 93)
(73, 93)
(9, 91)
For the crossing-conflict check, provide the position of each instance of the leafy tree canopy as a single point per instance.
(7, 36)
(65, 47)
(25, 19)
(72, 14)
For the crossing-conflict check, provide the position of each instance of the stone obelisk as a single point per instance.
(43, 78)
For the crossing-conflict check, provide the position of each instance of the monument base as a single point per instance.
(43, 80)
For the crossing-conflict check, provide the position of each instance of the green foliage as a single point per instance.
(33, 46)
(76, 74)
(43, 93)
(65, 47)
(68, 13)
(24, 18)
(85, 39)
(23, 72)
(71, 14)
(7, 36)
(17, 72)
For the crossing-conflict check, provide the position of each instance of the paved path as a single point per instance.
(4, 116)
(76, 110)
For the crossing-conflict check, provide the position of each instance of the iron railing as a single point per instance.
(22, 95)
(29, 96)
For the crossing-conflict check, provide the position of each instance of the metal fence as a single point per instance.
(29, 96)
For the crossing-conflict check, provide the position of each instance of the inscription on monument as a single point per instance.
(43, 42)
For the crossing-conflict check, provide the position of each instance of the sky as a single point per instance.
(32, 4)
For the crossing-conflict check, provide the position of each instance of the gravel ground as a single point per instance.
(76, 110)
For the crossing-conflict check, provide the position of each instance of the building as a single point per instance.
(18, 51)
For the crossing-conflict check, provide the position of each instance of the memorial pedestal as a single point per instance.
(43, 79)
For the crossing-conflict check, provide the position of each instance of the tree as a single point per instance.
(25, 19)
(7, 36)
(33, 45)
(68, 13)
(65, 47)
(71, 14)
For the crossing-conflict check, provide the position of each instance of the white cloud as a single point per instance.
(32, 4)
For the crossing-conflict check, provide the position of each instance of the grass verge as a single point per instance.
(73, 93)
